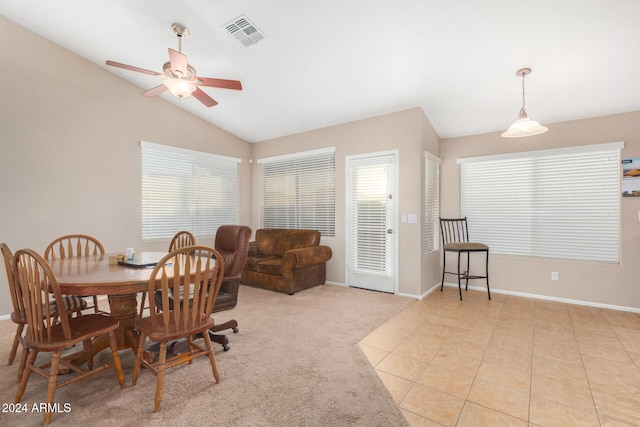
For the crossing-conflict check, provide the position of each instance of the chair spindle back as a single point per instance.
(202, 268)
(454, 230)
(41, 295)
(182, 239)
(73, 245)
(19, 310)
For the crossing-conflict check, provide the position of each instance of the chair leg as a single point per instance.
(190, 348)
(466, 283)
(459, 284)
(116, 358)
(25, 375)
(23, 362)
(444, 264)
(144, 298)
(16, 341)
(486, 273)
(88, 352)
(212, 358)
(160, 376)
(51, 389)
(139, 351)
(179, 346)
(221, 339)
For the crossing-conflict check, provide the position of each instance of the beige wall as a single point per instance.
(430, 266)
(617, 285)
(409, 132)
(69, 148)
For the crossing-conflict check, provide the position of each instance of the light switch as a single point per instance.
(403, 218)
(413, 218)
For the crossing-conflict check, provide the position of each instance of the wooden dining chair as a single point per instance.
(195, 272)
(73, 245)
(232, 242)
(180, 240)
(19, 314)
(41, 292)
(72, 304)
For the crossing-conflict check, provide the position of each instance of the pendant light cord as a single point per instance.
(522, 110)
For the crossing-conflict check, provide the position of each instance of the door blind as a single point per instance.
(186, 190)
(370, 218)
(562, 203)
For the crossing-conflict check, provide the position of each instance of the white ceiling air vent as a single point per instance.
(244, 30)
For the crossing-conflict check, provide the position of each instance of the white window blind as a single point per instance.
(562, 203)
(186, 190)
(298, 191)
(370, 216)
(431, 202)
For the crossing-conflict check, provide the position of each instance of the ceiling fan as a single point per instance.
(180, 77)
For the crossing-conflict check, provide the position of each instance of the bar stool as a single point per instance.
(455, 238)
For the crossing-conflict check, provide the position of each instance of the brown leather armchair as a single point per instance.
(286, 260)
(232, 242)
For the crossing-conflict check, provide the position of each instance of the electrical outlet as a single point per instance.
(554, 275)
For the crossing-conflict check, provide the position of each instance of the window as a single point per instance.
(431, 202)
(186, 190)
(298, 191)
(562, 203)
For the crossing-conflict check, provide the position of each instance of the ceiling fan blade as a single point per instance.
(178, 61)
(154, 91)
(221, 83)
(201, 96)
(132, 68)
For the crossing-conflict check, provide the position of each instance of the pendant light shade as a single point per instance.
(523, 126)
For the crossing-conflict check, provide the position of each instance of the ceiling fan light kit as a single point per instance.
(180, 77)
(179, 88)
(523, 126)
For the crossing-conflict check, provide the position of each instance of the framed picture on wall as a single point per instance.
(630, 177)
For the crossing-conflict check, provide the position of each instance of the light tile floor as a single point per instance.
(510, 361)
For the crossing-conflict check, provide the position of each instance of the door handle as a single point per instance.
(389, 231)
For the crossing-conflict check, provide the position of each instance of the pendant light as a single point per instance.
(523, 126)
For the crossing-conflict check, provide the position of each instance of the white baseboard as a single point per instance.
(344, 285)
(336, 284)
(542, 297)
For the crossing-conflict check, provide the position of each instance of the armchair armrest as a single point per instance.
(311, 255)
(253, 249)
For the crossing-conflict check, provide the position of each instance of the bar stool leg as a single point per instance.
(486, 273)
(459, 284)
(444, 264)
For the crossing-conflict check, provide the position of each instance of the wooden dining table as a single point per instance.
(95, 275)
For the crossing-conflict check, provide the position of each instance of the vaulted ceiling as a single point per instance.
(325, 62)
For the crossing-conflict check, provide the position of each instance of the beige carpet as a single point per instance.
(295, 362)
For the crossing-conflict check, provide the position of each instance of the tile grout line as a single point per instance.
(533, 349)
(593, 399)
